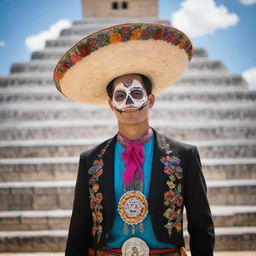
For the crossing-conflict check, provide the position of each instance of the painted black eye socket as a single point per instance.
(137, 94)
(120, 96)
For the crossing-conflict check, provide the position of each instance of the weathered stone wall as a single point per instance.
(124, 8)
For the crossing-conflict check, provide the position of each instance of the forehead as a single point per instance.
(121, 79)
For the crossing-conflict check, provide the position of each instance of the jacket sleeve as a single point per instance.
(200, 224)
(79, 235)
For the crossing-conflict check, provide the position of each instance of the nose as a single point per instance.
(129, 101)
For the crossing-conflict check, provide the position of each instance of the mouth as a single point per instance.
(127, 110)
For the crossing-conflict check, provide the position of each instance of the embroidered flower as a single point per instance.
(159, 34)
(102, 41)
(178, 200)
(95, 188)
(75, 57)
(63, 67)
(170, 184)
(146, 34)
(125, 33)
(178, 226)
(136, 34)
(99, 197)
(83, 50)
(97, 216)
(182, 42)
(168, 170)
(98, 173)
(58, 75)
(169, 197)
(93, 44)
(171, 37)
(115, 38)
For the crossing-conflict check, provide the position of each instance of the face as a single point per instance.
(129, 95)
(130, 101)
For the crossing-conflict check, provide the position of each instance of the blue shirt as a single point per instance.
(117, 236)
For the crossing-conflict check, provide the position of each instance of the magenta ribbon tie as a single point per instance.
(133, 157)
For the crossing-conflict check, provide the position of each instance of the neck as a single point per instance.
(133, 132)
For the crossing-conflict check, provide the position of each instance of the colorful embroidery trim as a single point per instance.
(96, 197)
(118, 34)
(143, 140)
(173, 198)
(133, 207)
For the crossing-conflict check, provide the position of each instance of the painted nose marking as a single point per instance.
(129, 100)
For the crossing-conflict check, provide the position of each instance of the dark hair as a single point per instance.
(146, 82)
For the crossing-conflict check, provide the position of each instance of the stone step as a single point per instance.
(118, 20)
(181, 130)
(70, 148)
(189, 79)
(189, 110)
(202, 64)
(175, 93)
(65, 168)
(55, 52)
(227, 238)
(223, 216)
(84, 29)
(54, 195)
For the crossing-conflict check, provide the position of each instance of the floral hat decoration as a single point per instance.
(160, 52)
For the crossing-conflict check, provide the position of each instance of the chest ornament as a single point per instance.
(133, 207)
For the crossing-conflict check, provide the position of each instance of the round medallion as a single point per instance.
(133, 207)
(135, 247)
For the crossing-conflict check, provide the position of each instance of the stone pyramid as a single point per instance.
(42, 134)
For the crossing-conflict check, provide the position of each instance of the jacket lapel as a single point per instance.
(158, 177)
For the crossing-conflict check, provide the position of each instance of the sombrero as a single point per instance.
(160, 52)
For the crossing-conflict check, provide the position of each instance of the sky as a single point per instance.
(225, 28)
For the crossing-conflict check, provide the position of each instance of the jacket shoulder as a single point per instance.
(173, 144)
(96, 150)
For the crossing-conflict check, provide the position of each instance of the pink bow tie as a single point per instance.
(133, 155)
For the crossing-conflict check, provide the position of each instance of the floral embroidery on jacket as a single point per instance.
(173, 198)
(96, 197)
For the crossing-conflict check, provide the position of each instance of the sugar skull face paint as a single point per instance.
(129, 95)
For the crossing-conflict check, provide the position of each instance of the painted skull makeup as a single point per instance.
(129, 95)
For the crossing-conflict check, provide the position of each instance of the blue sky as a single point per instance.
(225, 28)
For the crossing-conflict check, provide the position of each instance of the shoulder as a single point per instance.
(95, 151)
(172, 144)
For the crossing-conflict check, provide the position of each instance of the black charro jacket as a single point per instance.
(94, 201)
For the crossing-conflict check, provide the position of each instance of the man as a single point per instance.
(131, 189)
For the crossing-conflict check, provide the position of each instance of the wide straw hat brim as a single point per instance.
(160, 52)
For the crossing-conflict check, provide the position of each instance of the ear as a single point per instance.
(151, 100)
(110, 104)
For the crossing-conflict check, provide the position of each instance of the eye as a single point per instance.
(120, 96)
(137, 94)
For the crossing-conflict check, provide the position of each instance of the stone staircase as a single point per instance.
(42, 134)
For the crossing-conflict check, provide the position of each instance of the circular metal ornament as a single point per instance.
(133, 207)
(135, 247)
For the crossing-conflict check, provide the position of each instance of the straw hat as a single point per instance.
(160, 52)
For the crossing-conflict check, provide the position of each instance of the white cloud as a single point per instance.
(248, 2)
(201, 17)
(37, 42)
(2, 44)
(250, 76)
